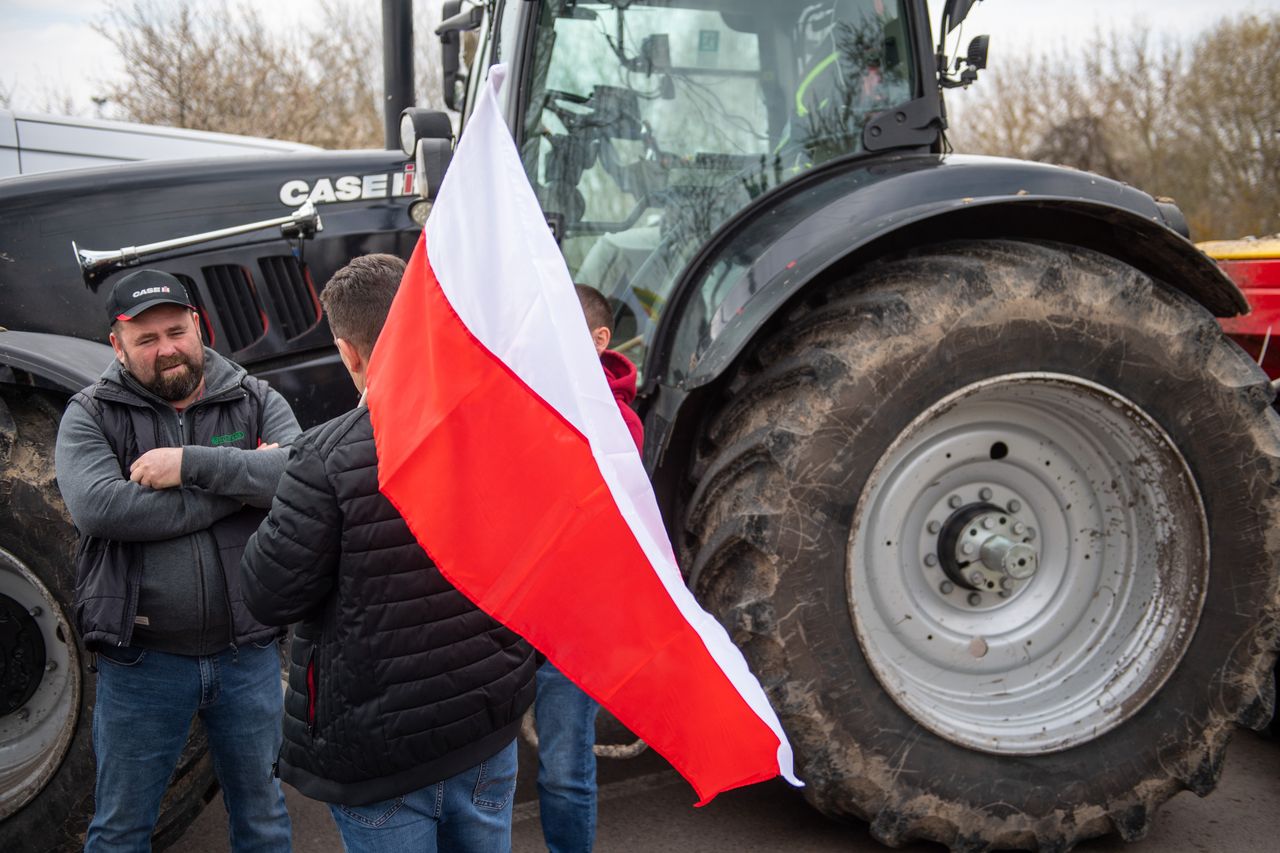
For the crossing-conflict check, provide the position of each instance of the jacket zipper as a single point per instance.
(202, 594)
(311, 692)
(187, 435)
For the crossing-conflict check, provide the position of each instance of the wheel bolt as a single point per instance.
(946, 587)
(1019, 528)
(1031, 533)
(1006, 583)
(933, 527)
(35, 611)
(974, 599)
(954, 501)
(967, 549)
(1004, 593)
(1015, 506)
(976, 577)
(50, 666)
(988, 523)
(930, 560)
(985, 494)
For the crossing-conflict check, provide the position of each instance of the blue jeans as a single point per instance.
(146, 701)
(566, 721)
(466, 813)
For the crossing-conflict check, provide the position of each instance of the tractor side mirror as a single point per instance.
(450, 32)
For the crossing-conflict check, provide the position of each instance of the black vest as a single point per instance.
(108, 572)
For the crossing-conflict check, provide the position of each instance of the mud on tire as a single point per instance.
(821, 571)
(51, 797)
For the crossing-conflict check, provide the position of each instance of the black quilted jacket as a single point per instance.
(396, 680)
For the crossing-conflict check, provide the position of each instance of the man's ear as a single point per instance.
(601, 337)
(350, 356)
(117, 346)
(195, 321)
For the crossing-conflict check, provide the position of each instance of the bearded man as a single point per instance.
(167, 464)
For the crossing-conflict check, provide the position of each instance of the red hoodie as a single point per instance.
(621, 374)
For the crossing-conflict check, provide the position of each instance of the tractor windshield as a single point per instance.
(651, 122)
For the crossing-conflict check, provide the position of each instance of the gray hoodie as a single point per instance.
(183, 600)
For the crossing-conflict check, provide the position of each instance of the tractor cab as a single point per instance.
(646, 126)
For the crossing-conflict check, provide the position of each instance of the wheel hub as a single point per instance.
(39, 684)
(984, 547)
(1027, 563)
(21, 654)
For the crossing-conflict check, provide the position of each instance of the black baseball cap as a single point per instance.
(145, 289)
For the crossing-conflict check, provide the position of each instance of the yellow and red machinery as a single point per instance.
(1254, 265)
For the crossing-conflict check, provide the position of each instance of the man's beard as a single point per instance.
(175, 386)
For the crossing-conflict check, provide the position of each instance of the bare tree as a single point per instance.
(1229, 109)
(1199, 122)
(219, 67)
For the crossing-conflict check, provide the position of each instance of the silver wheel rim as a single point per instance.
(35, 738)
(1111, 523)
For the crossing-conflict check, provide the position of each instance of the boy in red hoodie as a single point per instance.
(565, 716)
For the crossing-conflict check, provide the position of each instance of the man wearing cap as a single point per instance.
(167, 465)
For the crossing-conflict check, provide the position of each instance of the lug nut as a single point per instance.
(1019, 528)
(988, 523)
(974, 599)
(1031, 533)
(976, 577)
(930, 560)
(1015, 506)
(985, 494)
(35, 611)
(933, 527)
(1004, 593)
(946, 587)
(968, 548)
(954, 501)
(1006, 583)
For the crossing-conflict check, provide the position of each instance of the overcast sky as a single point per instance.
(49, 51)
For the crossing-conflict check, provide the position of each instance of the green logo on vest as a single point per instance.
(227, 439)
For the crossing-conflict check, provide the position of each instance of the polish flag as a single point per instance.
(501, 445)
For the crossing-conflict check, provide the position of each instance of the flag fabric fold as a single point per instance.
(501, 445)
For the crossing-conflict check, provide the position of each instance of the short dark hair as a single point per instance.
(358, 298)
(595, 306)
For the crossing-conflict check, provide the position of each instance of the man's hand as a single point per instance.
(160, 468)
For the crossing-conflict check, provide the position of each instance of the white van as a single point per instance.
(41, 143)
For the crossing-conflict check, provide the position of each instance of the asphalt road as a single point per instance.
(645, 806)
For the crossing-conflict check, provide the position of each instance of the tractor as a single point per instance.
(954, 447)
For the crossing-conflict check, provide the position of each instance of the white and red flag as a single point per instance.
(501, 445)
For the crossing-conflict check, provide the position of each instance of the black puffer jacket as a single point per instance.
(396, 680)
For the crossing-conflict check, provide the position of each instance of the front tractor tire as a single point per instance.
(994, 524)
(46, 688)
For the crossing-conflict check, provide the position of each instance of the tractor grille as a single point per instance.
(236, 304)
(205, 325)
(290, 294)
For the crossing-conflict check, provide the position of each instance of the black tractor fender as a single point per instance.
(57, 362)
(847, 214)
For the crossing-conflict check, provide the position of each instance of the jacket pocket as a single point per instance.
(103, 589)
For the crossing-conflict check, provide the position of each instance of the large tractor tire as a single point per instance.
(46, 688)
(996, 525)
